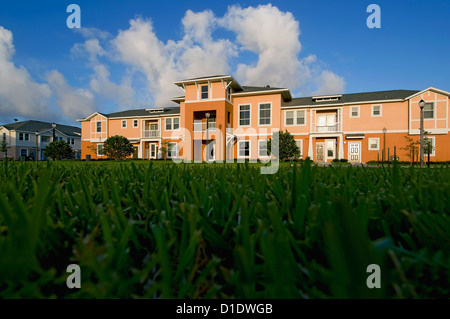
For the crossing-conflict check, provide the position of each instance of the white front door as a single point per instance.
(354, 152)
(153, 150)
(331, 149)
(320, 152)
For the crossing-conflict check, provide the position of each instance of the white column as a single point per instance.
(140, 153)
(310, 148)
(341, 146)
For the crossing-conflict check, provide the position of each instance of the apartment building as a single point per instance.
(219, 119)
(29, 138)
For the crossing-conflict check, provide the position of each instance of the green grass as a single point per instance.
(160, 230)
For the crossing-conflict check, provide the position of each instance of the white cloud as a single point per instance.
(74, 103)
(20, 95)
(135, 68)
(329, 83)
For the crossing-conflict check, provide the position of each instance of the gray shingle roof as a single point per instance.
(33, 126)
(355, 98)
(259, 88)
(144, 112)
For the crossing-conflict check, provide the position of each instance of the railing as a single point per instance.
(201, 126)
(328, 128)
(150, 133)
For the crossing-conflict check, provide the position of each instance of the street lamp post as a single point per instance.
(421, 105)
(208, 151)
(207, 128)
(36, 157)
(54, 135)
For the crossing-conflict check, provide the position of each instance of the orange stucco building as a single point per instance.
(218, 119)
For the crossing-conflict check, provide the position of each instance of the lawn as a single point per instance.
(159, 230)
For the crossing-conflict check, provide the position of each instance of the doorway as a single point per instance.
(354, 151)
(320, 152)
(153, 150)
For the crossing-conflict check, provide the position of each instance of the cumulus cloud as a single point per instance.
(20, 95)
(135, 68)
(329, 83)
(74, 103)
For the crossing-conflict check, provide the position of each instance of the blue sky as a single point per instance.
(128, 53)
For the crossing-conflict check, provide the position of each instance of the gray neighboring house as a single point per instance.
(24, 137)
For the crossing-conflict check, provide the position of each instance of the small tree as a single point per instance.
(4, 147)
(58, 150)
(117, 147)
(287, 148)
(164, 148)
(415, 144)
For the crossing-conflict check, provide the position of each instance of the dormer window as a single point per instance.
(204, 92)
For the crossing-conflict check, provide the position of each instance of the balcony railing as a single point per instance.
(328, 128)
(150, 134)
(201, 126)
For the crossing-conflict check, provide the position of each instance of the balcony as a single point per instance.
(201, 126)
(336, 127)
(150, 134)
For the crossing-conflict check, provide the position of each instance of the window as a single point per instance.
(244, 115)
(135, 123)
(23, 152)
(289, 118)
(244, 149)
(431, 141)
(124, 123)
(72, 141)
(265, 114)
(24, 137)
(262, 148)
(204, 91)
(68, 140)
(45, 139)
(428, 111)
(4, 136)
(376, 110)
(99, 149)
(354, 111)
(299, 143)
(172, 123)
(176, 123)
(301, 115)
(99, 126)
(228, 94)
(171, 150)
(374, 144)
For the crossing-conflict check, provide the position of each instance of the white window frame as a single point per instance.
(124, 122)
(351, 111)
(249, 149)
(96, 127)
(378, 144)
(176, 149)
(286, 118)
(433, 144)
(259, 113)
(434, 111)
(172, 123)
(201, 92)
(296, 117)
(135, 123)
(300, 147)
(259, 149)
(381, 110)
(26, 149)
(250, 116)
(21, 135)
(98, 148)
(166, 124)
